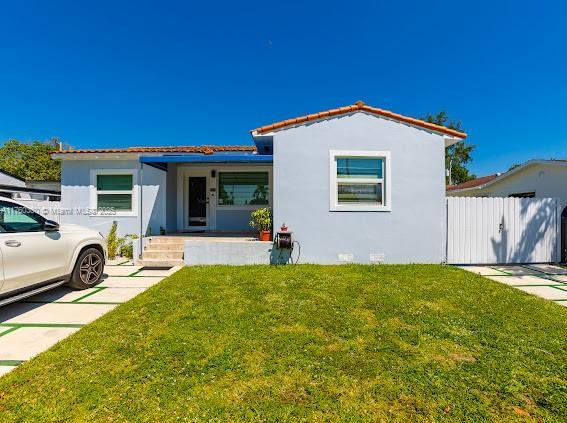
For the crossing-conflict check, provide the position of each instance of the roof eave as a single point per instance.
(451, 136)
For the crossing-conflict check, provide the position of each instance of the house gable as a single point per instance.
(451, 134)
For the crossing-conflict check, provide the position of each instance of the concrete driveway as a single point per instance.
(31, 326)
(544, 280)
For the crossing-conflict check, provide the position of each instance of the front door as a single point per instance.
(197, 204)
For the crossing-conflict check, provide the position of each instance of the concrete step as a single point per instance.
(162, 255)
(167, 240)
(164, 247)
(159, 263)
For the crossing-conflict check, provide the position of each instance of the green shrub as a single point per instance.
(261, 219)
(117, 245)
(113, 241)
(127, 250)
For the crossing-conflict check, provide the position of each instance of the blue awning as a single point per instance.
(213, 158)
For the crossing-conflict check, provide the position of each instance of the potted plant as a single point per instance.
(261, 219)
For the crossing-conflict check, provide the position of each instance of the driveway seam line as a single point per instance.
(552, 286)
(12, 363)
(42, 325)
(68, 302)
(98, 289)
(154, 276)
(10, 330)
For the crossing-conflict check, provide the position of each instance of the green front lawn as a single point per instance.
(306, 342)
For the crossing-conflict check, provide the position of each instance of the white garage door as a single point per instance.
(502, 230)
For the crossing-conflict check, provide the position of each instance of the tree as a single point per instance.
(458, 155)
(30, 160)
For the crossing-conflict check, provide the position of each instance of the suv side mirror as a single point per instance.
(50, 226)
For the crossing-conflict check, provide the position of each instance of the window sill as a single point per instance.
(127, 214)
(360, 208)
(242, 207)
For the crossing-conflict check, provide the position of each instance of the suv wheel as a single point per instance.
(88, 269)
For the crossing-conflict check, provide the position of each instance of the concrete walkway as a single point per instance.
(544, 280)
(31, 326)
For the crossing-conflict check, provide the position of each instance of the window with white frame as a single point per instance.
(360, 181)
(243, 188)
(114, 192)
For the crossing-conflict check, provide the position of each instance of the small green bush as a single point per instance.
(117, 245)
(261, 219)
(113, 241)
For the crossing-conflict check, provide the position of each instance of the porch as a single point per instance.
(203, 193)
(203, 248)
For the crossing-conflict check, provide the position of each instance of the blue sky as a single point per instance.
(114, 74)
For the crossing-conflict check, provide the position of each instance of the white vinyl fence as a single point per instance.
(503, 230)
(48, 209)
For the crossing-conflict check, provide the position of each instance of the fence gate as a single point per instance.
(503, 230)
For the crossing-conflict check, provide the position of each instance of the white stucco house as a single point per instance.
(12, 186)
(532, 179)
(354, 184)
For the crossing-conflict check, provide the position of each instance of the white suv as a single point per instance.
(37, 254)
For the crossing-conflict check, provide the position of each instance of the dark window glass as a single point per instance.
(122, 202)
(16, 218)
(243, 188)
(114, 182)
(352, 167)
(360, 193)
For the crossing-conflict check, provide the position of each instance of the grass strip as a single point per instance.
(558, 287)
(95, 291)
(42, 325)
(551, 286)
(11, 362)
(136, 276)
(10, 330)
(135, 273)
(69, 302)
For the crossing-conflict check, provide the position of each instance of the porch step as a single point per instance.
(159, 263)
(164, 246)
(163, 251)
(167, 240)
(162, 255)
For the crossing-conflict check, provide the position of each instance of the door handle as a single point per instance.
(12, 243)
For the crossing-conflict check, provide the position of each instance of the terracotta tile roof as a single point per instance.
(204, 149)
(474, 183)
(359, 106)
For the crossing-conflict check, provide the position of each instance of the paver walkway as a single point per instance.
(544, 280)
(31, 326)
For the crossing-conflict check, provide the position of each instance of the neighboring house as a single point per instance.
(44, 185)
(532, 179)
(355, 183)
(9, 179)
(12, 186)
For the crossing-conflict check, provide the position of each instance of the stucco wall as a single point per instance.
(75, 196)
(233, 220)
(171, 196)
(413, 231)
(546, 180)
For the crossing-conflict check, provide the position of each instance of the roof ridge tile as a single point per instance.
(360, 106)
